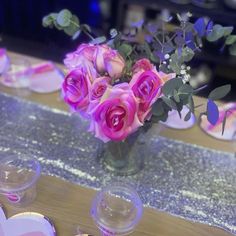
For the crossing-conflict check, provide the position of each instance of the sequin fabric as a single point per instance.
(185, 180)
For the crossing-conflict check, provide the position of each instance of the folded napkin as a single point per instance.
(230, 127)
(4, 60)
(25, 224)
(174, 121)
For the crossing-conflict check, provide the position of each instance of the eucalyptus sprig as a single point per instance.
(174, 49)
(69, 23)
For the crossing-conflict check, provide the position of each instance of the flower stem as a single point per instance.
(88, 34)
(83, 30)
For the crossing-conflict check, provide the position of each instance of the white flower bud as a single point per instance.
(167, 56)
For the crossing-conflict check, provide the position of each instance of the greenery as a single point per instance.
(170, 51)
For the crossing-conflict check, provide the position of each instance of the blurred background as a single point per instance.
(21, 28)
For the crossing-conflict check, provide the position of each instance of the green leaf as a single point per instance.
(191, 104)
(212, 112)
(199, 42)
(169, 102)
(63, 18)
(87, 28)
(187, 54)
(228, 30)
(175, 63)
(98, 40)
(48, 20)
(163, 117)
(176, 96)
(164, 68)
(70, 30)
(118, 39)
(184, 99)
(157, 108)
(125, 49)
(113, 33)
(216, 33)
(76, 35)
(171, 85)
(220, 92)
(232, 49)
(231, 39)
(75, 21)
(185, 89)
(53, 16)
(188, 116)
(153, 58)
(57, 26)
(73, 27)
(110, 43)
(128, 65)
(147, 49)
(179, 17)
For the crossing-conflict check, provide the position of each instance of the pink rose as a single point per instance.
(116, 116)
(99, 57)
(75, 90)
(99, 87)
(114, 64)
(83, 54)
(147, 87)
(108, 60)
(142, 65)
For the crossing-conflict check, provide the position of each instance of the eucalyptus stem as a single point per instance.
(157, 39)
(88, 34)
(163, 32)
(82, 29)
(170, 39)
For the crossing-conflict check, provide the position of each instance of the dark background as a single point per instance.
(21, 27)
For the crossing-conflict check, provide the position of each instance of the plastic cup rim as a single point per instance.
(98, 197)
(28, 184)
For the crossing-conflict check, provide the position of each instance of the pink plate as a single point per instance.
(25, 224)
(175, 122)
(41, 78)
(46, 78)
(230, 127)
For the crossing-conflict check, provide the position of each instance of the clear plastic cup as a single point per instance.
(18, 178)
(117, 209)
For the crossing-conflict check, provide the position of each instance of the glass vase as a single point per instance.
(125, 157)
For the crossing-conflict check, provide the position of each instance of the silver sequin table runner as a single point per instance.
(183, 179)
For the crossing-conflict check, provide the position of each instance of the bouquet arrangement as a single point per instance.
(121, 84)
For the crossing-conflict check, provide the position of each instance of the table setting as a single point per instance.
(108, 162)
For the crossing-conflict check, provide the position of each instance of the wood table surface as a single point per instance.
(68, 205)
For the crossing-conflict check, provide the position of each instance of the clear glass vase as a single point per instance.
(125, 157)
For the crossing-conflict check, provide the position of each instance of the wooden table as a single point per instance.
(68, 205)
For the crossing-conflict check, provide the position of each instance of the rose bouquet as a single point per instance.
(120, 84)
(96, 88)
